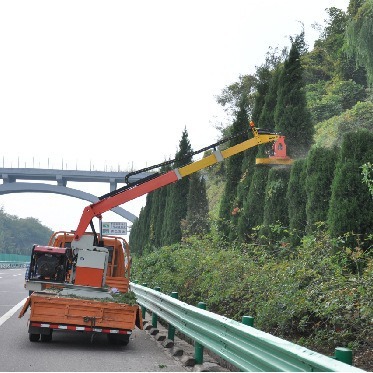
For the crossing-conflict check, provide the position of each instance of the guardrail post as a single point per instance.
(171, 328)
(248, 320)
(198, 348)
(154, 315)
(343, 354)
(143, 309)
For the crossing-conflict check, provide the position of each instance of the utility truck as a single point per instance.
(80, 280)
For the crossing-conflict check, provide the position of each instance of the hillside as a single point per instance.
(17, 235)
(292, 245)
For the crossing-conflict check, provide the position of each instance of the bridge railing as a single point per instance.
(241, 345)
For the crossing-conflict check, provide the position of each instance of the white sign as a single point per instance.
(119, 228)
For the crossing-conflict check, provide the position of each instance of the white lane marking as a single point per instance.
(12, 311)
(19, 274)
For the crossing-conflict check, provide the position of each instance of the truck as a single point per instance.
(81, 287)
(80, 281)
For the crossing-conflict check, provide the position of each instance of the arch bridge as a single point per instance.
(22, 180)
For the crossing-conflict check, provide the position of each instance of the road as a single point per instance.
(69, 351)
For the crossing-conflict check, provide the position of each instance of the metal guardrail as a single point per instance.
(7, 265)
(243, 346)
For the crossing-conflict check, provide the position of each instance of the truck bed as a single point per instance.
(49, 308)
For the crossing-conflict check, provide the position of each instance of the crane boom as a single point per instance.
(98, 208)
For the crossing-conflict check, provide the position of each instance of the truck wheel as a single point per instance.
(34, 337)
(124, 340)
(46, 337)
(118, 339)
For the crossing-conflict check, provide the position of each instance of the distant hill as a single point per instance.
(17, 235)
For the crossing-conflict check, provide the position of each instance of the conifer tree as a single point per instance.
(248, 165)
(136, 237)
(276, 208)
(145, 223)
(233, 173)
(262, 85)
(292, 117)
(253, 207)
(319, 178)
(176, 201)
(243, 187)
(157, 211)
(196, 222)
(267, 113)
(297, 200)
(351, 206)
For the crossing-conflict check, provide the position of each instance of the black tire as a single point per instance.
(34, 337)
(124, 339)
(118, 339)
(46, 337)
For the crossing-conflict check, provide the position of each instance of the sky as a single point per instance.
(108, 85)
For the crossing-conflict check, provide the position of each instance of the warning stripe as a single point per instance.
(80, 328)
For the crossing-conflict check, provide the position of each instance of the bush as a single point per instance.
(308, 292)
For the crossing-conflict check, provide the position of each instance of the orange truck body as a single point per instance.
(72, 313)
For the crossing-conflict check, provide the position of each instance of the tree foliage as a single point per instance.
(197, 220)
(330, 132)
(319, 177)
(238, 95)
(176, 207)
(291, 114)
(359, 36)
(297, 199)
(326, 99)
(367, 172)
(233, 172)
(304, 295)
(17, 235)
(275, 202)
(351, 207)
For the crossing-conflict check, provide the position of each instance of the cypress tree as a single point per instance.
(243, 187)
(157, 211)
(196, 222)
(240, 213)
(267, 115)
(351, 206)
(233, 173)
(319, 178)
(292, 117)
(133, 236)
(264, 76)
(136, 239)
(297, 199)
(275, 207)
(253, 207)
(145, 223)
(176, 202)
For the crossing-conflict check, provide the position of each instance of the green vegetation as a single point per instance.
(291, 246)
(318, 293)
(126, 298)
(17, 236)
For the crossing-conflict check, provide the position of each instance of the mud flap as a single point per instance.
(139, 322)
(25, 307)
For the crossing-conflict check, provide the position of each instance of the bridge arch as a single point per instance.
(20, 187)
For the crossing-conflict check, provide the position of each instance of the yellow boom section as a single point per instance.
(218, 156)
